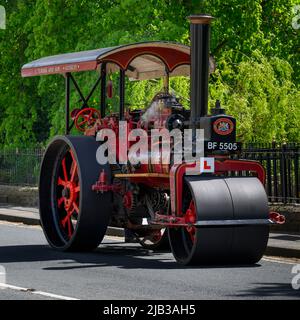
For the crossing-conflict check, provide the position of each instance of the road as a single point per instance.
(127, 271)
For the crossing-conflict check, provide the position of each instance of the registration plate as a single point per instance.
(223, 146)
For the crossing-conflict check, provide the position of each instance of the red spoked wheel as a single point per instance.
(68, 192)
(73, 216)
(86, 118)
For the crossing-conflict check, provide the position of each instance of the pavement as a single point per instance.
(280, 244)
(118, 270)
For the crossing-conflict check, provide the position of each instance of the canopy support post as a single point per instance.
(103, 89)
(166, 80)
(122, 93)
(67, 106)
(84, 100)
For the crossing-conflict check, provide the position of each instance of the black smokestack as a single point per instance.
(200, 39)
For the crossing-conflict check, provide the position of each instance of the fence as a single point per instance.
(282, 169)
(21, 167)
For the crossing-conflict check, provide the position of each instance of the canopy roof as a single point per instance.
(146, 60)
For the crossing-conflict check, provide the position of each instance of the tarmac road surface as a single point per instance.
(127, 271)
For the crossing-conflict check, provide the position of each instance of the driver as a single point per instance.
(160, 107)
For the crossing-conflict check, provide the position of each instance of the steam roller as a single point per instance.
(210, 210)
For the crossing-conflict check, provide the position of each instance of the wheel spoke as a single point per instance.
(67, 220)
(63, 163)
(77, 189)
(70, 227)
(75, 207)
(72, 156)
(73, 171)
(64, 220)
(82, 122)
(61, 182)
(60, 201)
(73, 167)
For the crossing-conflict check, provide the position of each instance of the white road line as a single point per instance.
(52, 295)
(31, 291)
(281, 260)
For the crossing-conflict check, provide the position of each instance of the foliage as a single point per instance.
(255, 46)
(260, 93)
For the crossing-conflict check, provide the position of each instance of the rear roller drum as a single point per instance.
(73, 216)
(214, 198)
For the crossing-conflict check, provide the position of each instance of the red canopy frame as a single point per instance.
(145, 60)
(170, 54)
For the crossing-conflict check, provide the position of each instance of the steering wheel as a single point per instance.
(86, 118)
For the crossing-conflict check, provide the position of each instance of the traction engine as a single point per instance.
(217, 215)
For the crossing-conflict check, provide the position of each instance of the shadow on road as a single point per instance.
(108, 254)
(271, 290)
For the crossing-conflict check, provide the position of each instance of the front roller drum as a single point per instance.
(73, 216)
(218, 198)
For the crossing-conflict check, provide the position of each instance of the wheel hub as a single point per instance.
(190, 218)
(69, 194)
(66, 193)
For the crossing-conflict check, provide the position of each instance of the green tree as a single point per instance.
(19, 104)
(255, 46)
(260, 93)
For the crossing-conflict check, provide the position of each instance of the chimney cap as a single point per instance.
(200, 18)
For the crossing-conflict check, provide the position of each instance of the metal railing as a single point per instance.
(21, 167)
(281, 162)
